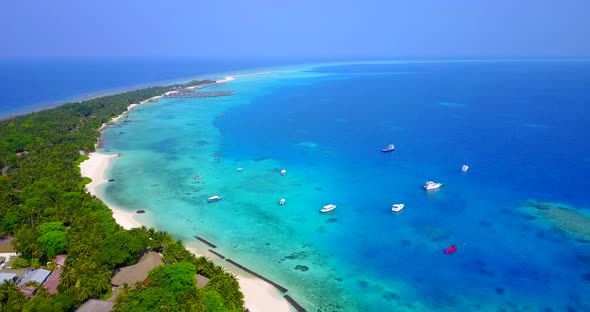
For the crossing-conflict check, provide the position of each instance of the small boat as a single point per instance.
(431, 185)
(283, 172)
(390, 148)
(450, 249)
(327, 208)
(239, 169)
(198, 177)
(213, 198)
(397, 207)
(282, 201)
(464, 168)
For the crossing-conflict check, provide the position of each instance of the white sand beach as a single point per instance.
(226, 79)
(95, 169)
(259, 296)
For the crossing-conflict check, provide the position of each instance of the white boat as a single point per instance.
(464, 168)
(214, 198)
(283, 172)
(282, 201)
(389, 148)
(397, 207)
(431, 185)
(327, 208)
(239, 169)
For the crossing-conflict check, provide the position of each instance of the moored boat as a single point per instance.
(464, 168)
(213, 198)
(283, 172)
(282, 201)
(389, 148)
(329, 207)
(431, 185)
(450, 249)
(397, 207)
(239, 169)
(197, 177)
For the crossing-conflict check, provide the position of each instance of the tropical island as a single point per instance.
(67, 238)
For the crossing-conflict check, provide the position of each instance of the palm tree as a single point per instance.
(82, 293)
(68, 277)
(192, 301)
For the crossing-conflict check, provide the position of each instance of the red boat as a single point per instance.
(450, 249)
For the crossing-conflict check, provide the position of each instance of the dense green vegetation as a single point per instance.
(43, 204)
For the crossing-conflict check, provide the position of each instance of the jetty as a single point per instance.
(211, 84)
(280, 288)
(189, 94)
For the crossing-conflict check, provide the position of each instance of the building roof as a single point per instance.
(202, 281)
(59, 260)
(7, 276)
(39, 276)
(53, 281)
(28, 291)
(94, 305)
(138, 272)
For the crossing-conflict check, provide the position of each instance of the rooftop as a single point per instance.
(7, 276)
(53, 281)
(28, 291)
(94, 305)
(39, 276)
(59, 260)
(138, 272)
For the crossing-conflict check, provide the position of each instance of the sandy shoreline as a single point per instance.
(259, 296)
(95, 168)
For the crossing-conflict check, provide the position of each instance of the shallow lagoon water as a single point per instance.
(326, 125)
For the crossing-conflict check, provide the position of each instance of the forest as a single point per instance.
(45, 207)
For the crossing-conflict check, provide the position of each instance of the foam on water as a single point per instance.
(326, 127)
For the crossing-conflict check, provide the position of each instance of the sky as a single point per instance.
(302, 28)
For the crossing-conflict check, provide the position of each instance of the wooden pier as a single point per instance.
(212, 84)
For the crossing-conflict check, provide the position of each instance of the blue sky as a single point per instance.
(321, 28)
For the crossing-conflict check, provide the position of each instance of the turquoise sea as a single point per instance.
(519, 217)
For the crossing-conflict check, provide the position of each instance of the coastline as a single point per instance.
(259, 296)
(95, 168)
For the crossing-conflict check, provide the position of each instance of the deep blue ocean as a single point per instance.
(520, 217)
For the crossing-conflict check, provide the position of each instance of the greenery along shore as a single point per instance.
(44, 205)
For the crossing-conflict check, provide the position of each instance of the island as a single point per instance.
(71, 251)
